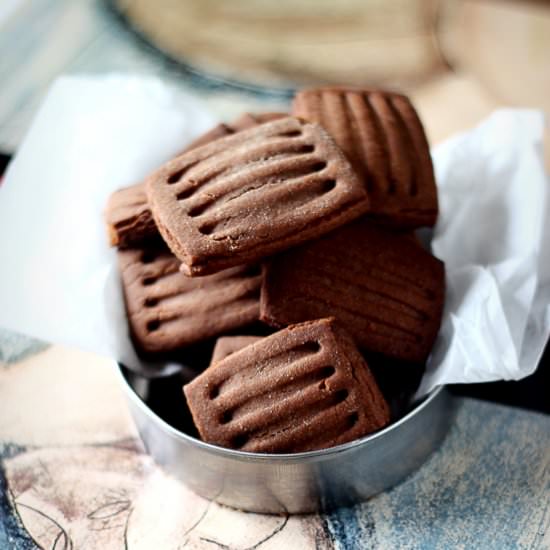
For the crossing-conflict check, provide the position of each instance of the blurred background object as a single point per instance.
(294, 43)
(504, 44)
(458, 59)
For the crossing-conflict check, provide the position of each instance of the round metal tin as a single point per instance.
(294, 483)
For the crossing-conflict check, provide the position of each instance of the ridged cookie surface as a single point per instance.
(247, 196)
(384, 140)
(303, 388)
(167, 310)
(226, 345)
(384, 288)
(245, 121)
(128, 216)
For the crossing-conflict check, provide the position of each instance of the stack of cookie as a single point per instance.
(303, 222)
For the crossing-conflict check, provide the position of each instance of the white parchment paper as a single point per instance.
(58, 277)
(92, 135)
(494, 236)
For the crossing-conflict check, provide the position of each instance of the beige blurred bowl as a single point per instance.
(294, 42)
(504, 44)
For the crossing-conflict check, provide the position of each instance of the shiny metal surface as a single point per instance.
(295, 483)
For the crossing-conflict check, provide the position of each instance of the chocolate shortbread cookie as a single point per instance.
(303, 388)
(384, 140)
(167, 310)
(128, 216)
(246, 196)
(249, 120)
(226, 345)
(384, 288)
(129, 219)
(245, 121)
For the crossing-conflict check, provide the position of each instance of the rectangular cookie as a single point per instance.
(385, 289)
(303, 388)
(129, 219)
(243, 122)
(247, 196)
(383, 138)
(167, 310)
(226, 345)
(128, 216)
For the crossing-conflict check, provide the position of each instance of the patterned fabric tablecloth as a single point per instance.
(74, 475)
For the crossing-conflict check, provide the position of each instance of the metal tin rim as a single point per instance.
(246, 456)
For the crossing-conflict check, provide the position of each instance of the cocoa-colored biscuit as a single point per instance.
(167, 310)
(249, 120)
(246, 196)
(128, 216)
(226, 345)
(303, 388)
(384, 140)
(384, 288)
(245, 121)
(219, 131)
